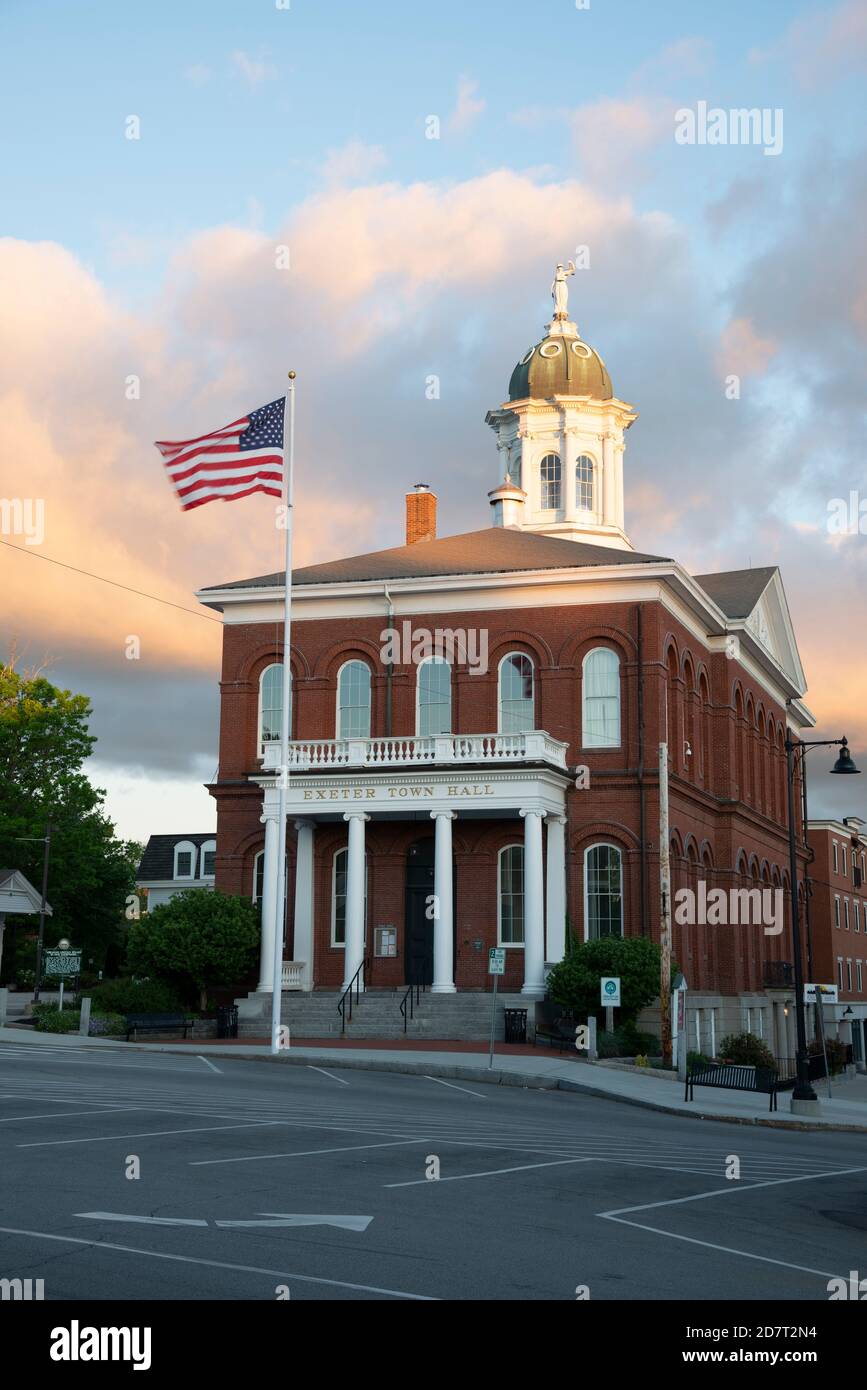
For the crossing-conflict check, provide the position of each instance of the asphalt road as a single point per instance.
(539, 1192)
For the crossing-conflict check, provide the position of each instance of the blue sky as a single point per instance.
(306, 127)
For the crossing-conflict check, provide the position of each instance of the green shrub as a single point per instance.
(203, 939)
(746, 1050)
(836, 1051)
(574, 981)
(136, 997)
(53, 1021)
(696, 1059)
(107, 1025)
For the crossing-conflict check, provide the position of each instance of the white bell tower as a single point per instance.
(560, 438)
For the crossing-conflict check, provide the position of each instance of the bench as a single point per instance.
(726, 1076)
(550, 1022)
(156, 1023)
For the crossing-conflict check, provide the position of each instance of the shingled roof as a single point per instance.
(495, 550)
(158, 860)
(736, 592)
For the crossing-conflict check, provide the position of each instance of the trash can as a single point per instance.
(516, 1025)
(227, 1021)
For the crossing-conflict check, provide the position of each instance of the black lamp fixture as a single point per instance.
(798, 748)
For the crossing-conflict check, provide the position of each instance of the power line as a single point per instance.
(113, 582)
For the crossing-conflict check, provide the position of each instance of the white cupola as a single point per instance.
(560, 439)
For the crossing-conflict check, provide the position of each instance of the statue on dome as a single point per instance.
(560, 290)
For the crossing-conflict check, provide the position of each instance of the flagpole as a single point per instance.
(280, 895)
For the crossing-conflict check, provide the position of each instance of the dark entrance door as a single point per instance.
(419, 922)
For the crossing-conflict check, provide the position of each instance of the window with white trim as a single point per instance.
(860, 981)
(353, 700)
(836, 850)
(510, 896)
(208, 852)
(603, 892)
(600, 699)
(843, 853)
(271, 705)
(258, 875)
(185, 859)
(857, 915)
(849, 976)
(584, 483)
(836, 910)
(434, 697)
(516, 713)
(339, 873)
(839, 972)
(846, 912)
(549, 475)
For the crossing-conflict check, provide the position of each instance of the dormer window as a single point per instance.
(209, 857)
(185, 859)
(550, 474)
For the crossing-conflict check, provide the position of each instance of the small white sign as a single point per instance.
(824, 994)
(610, 990)
(497, 960)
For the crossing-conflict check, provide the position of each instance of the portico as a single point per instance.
(501, 785)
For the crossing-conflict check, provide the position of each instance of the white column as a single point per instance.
(354, 952)
(619, 513)
(304, 900)
(443, 952)
(555, 866)
(269, 902)
(609, 500)
(534, 928)
(569, 454)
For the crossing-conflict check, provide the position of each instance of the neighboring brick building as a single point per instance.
(838, 923)
(412, 776)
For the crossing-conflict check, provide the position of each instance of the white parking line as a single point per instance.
(732, 1187)
(327, 1073)
(304, 1153)
(52, 1115)
(452, 1087)
(209, 1064)
(150, 1134)
(724, 1249)
(220, 1264)
(493, 1173)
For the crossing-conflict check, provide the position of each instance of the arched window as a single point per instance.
(353, 700)
(208, 852)
(601, 699)
(434, 707)
(517, 704)
(271, 705)
(185, 860)
(514, 469)
(584, 484)
(510, 896)
(338, 897)
(603, 892)
(550, 473)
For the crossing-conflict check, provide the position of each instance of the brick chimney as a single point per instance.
(421, 514)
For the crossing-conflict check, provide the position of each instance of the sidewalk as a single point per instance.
(518, 1066)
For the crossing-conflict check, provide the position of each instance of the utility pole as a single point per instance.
(42, 906)
(664, 910)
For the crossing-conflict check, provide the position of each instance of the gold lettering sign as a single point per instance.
(454, 791)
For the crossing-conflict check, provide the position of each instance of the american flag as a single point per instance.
(232, 462)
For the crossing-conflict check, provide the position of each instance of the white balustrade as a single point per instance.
(293, 974)
(411, 751)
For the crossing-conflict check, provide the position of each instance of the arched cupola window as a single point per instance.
(550, 475)
(584, 499)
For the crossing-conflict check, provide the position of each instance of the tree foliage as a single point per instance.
(44, 743)
(575, 981)
(201, 938)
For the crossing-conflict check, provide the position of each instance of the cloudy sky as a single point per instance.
(269, 132)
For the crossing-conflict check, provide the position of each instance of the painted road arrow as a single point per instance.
(276, 1219)
(268, 1219)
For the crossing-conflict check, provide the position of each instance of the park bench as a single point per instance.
(550, 1022)
(726, 1076)
(156, 1023)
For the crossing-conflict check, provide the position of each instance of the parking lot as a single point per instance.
(138, 1175)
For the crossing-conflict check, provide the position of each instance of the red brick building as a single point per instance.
(476, 722)
(838, 924)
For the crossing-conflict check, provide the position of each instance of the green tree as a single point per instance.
(574, 981)
(44, 743)
(201, 938)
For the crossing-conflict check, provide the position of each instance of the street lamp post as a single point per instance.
(799, 747)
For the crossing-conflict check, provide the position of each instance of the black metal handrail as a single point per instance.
(411, 998)
(354, 987)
